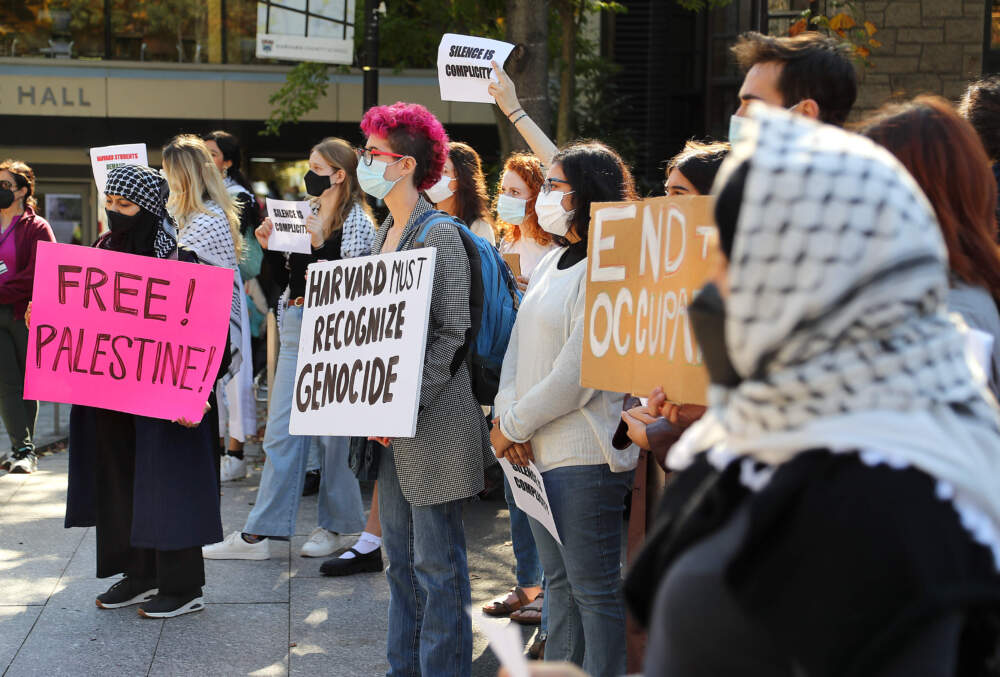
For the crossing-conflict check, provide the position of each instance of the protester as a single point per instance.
(147, 484)
(810, 73)
(980, 105)
(515, 209)
(945, 156)
(690, 172)
(21, 229)
(423, 480)
(461, 191)
(544, 415)
(340, 227)
(237, 406)
(835, 511)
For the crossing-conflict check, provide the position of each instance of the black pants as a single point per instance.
(175, 572)
(18, 413)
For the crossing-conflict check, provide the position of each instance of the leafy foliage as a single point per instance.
(304, 86)
(848, 24)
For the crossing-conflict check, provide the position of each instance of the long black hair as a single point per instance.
(230, 147)
(596, 173)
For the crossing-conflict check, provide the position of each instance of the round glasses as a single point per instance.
(366, 155)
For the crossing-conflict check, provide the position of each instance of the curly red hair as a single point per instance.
(411, 130)
(529, 168)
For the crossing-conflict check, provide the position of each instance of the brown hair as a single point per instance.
(24, 177)
(529, 168)
(699, 162)
(471, 199)
(981, 107)
(341, 155)
(947, 159)
(813, 67)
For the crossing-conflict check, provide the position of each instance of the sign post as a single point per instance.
(645, 261)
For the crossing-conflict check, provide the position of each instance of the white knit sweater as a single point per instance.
(540, 397)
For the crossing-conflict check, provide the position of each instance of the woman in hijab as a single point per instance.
(837, 509)
(147, 484)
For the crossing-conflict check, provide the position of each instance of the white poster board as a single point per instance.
(361, 351)
(289, 220)
(318, 30)
(529, 493)
(505, 640)
(464, 70)
(106, 158)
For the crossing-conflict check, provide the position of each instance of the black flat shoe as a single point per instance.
(359, 564)
(311, 485)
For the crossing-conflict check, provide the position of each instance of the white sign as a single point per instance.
(529, 493)
(464, 70)
(300, 48)
(289, 220)
(361, 351)
(506, 642)
(104, 159)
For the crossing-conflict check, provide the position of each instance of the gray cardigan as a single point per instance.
(445, 460)
(979, 311)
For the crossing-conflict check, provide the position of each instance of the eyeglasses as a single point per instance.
(549, 184)
(366, 155)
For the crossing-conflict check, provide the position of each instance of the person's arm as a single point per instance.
(449, 309)
(505, 94)
(559, 392)
(18, 286)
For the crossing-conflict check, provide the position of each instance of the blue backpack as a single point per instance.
(493, 301)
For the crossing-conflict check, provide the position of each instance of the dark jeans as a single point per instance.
(175, 572)
(18, 413)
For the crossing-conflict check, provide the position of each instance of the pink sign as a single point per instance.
(128, 333)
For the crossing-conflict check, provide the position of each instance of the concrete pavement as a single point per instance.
(276, 617)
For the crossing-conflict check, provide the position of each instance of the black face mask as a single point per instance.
(708, 320)
(122, 223)
(6, 198)
(132, 234)
(316, 184)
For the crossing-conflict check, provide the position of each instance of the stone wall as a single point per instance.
(928, 47)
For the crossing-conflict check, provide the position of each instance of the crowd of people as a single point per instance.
(833, 510)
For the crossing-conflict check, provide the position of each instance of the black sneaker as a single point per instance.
(359, 564)
(126, 592)
(311, 485)
(168, 606)
(23, 462)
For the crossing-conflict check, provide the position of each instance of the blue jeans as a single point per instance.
(528, 567)
(277, 505)
(586, 623)
(430, 633)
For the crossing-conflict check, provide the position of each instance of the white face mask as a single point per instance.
(736, 128)
(441, 190)
(511, 209)
(552, 217)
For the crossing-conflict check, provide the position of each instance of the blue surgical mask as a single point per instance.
(372, 179)
(511, 209)
(736, 125)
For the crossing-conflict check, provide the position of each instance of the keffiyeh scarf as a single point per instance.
(837, 321)
(146, 188)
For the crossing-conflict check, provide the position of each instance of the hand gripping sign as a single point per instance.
(123, 332)
(361, 351)
(645, 261)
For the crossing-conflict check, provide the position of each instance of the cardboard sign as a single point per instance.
(128, 333)
(361, 352)
(290, 233)
(464, 70)
(645, 261)
(106, 158)
(514, 263)
(529, 493)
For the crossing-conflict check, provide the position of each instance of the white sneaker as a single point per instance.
(233, 468)
(320, 544)
(234, 547)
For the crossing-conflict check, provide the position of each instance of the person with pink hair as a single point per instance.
(424, 480)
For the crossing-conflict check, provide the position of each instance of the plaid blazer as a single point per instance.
(445, 460)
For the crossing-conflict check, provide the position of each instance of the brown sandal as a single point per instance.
(529, 614)
(504, 608)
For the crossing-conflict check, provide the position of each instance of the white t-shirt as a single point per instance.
(530, 252)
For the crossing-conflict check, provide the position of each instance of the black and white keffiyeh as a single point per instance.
(837, 321)
(208, 235)
(146, 188)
